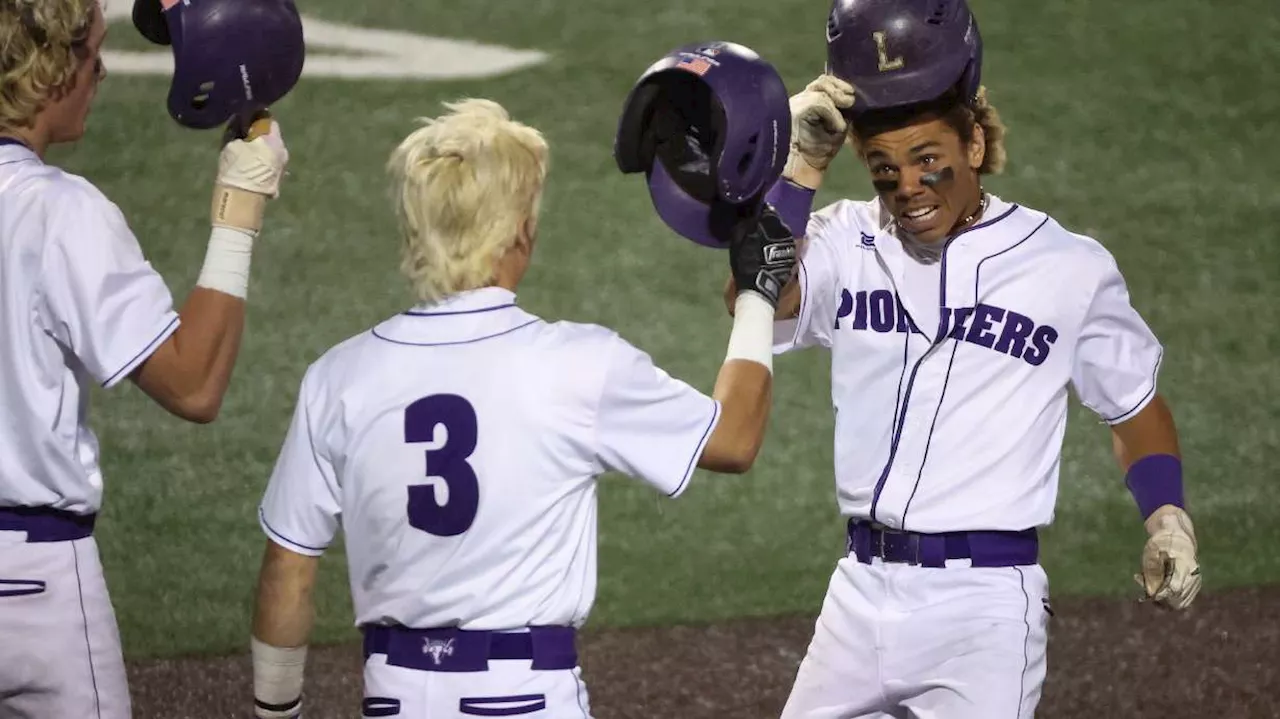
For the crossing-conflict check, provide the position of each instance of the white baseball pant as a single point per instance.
(59, 644)
(897, 640)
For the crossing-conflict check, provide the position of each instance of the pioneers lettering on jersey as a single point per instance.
(1004, 331)
(957, 427)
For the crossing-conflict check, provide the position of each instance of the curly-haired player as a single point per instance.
(80, 305)
(957, 322)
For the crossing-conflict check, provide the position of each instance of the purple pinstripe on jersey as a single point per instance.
(941, 337)
(977, 282)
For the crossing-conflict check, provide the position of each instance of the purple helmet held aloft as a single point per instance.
(901, 52)
(232, 58)
(709, 124)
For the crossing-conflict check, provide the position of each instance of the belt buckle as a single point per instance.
(883, 530)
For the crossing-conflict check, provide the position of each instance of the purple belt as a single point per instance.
(45, 524)
(984, 549)
(456, 650)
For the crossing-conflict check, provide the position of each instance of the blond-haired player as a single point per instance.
(80, 305)
(459, 443)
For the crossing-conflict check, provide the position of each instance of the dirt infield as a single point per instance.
(1106, 659)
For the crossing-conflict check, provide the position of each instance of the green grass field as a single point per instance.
(1143, 124)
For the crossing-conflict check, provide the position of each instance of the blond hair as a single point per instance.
(464, 185)
(993, 130)
(39, 44)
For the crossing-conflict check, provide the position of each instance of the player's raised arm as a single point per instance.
(762, 255)
(707, 174)
(189, 373)
(818, 131)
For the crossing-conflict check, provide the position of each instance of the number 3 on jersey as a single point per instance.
(446, 463)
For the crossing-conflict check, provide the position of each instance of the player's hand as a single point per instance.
(249, 173)
(818, 128)
(256, 163)
(762, 255)
(1170, 573)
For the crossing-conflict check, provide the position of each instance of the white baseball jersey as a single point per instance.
(459, 446)
(950, 379)
(78, 304)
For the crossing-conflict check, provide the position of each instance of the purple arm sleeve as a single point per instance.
(1154, 481)
(793, 204)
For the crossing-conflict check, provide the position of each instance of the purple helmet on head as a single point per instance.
(901, 52)
(232, 58)
(709, 124)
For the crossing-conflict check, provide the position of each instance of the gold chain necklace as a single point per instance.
(982, 207)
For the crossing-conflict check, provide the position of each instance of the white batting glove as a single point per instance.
(249, 173)
(817, 128)
(255, 165)
(1170, 573)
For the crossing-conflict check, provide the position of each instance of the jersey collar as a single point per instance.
(462, 318)
(484, 299)
(891, 248)
(12, 150)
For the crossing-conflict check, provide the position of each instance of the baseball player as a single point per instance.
(79, 306)
(459, 444)
(956, 321)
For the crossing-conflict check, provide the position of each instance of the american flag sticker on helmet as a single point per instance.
(695, 65)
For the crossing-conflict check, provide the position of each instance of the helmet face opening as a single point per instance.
(687, 130)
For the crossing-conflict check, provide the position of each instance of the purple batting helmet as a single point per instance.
(901, 52)
(232, 58)
(709, 124)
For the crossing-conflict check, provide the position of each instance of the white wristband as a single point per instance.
(226, 262)
(752, 335)
(277, 676)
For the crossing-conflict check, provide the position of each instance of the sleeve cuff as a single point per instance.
(1139, 399)
(171, 325)
(289, 544)
(697, 452)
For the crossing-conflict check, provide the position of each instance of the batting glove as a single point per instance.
(818, 128)
(256, 163)
(1170, 573)
(762, 255)
(249, 173)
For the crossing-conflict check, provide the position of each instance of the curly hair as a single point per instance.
(958, 115)
(985, 115)
(40, 45)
